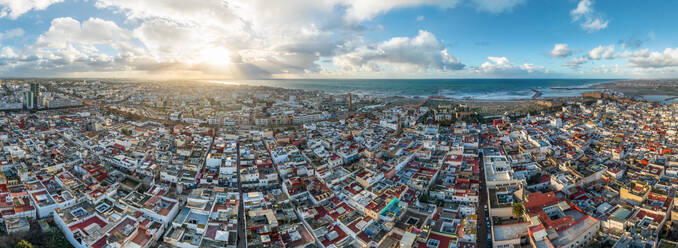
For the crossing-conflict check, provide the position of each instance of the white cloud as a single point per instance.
(420, 18)
(502, 66)
(574, 63)
(8, 53)
(212, 12)
(15, 8)
(238, 38)
(638, 53)
(360, 10)
(594, 25)
(68, 46)
(650, 72)
(560, 50)
(64, 31)
(420, 53)
(589, 20)
(667, 58)
(497, 6)
(605, 69)
(583, 8)
(602, 52)
(16, 32)
(255, 36)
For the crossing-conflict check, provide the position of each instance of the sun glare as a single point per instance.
(215, 56)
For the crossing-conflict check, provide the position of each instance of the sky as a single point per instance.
(247, 39)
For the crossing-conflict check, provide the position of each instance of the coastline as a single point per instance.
(641, 88)
(460, 89)
(513, 91)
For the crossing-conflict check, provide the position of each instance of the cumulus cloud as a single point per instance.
(69, 45)
(12, 9)
(420, 53)
(238, 38)
(638, 53)
(254, 36)
(602, 52)
(574, 63)
(560, 50)
(588, 19)
(502, 66)
(497, 6)
(8, 53)
(583, 8)
(64, 31)
(209, 38)
(667, 58)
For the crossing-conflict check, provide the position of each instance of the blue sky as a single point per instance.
(339, 39)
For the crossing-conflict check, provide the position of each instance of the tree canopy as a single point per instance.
(518, 209)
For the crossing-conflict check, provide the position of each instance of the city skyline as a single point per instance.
(338, 39)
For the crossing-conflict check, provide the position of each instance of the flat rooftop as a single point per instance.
(508, 232)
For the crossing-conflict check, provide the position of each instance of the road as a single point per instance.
(482, 201)
(242, 241)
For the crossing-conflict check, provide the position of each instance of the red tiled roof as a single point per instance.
(91, 220)
(537, 200)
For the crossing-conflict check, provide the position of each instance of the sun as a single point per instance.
(215, 56)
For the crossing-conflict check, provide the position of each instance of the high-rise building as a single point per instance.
(35, 89)
(28, 99)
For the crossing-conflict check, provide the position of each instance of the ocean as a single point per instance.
(477, 89)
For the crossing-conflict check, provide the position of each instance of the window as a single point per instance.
(433, 243)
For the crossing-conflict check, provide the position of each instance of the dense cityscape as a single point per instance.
(127, 164)
(338, 124)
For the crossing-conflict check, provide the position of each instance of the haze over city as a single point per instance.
(215, 39)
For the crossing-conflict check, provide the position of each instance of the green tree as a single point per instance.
(423, 198)
(518, 209)
(56, 239)
(52, 237)
(23, 244)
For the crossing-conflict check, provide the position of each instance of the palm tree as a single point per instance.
(518, 209)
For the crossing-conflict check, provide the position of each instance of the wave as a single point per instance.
(481, 89)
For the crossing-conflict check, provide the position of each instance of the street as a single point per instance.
(481, 234)
(242, 241)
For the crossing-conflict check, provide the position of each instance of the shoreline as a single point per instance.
(496, 90)
(631, 88)
(641, 88)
